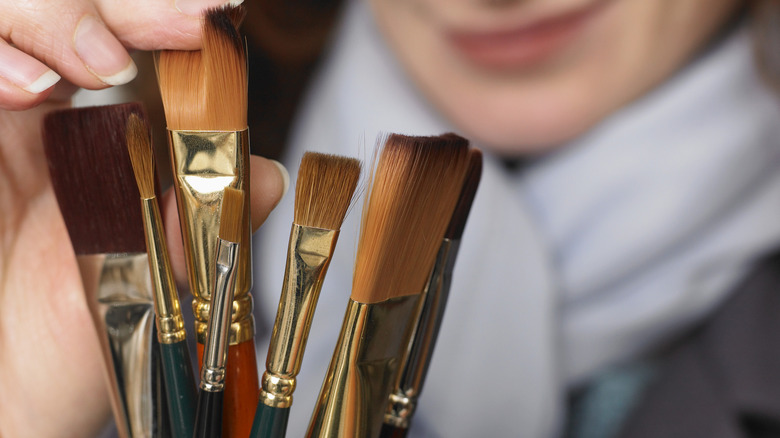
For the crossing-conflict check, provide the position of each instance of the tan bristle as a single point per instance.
(225, 71)
(140, 148)
(416, 184)
(180, 77)
(324, 190)
(231, 218)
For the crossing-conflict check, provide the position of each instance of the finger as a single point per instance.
(155, 24)
(24, 81)
(269, 182)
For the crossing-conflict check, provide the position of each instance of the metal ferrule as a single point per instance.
(363, 369)
(204, 163)
(403, 400)
(124, 318)
(212, 377)
(308, 256)
(170, 323)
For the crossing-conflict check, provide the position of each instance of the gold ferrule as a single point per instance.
(170, 323)
(212, 376)
(308, 256)
(363, 369)
(403, 400)
(123, 313)
(204, 163)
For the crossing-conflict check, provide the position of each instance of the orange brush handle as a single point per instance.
(242, 389)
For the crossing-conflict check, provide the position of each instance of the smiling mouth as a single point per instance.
(525, 46)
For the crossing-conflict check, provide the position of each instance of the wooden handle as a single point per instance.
(242, 389)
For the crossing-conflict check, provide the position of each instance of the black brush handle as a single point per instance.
(389, 431)
(208, 417)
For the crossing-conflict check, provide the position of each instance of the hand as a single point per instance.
(51, 377)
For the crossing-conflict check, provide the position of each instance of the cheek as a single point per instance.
(620, 55)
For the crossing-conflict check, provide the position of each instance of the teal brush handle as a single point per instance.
(180, 388)
(269, 422)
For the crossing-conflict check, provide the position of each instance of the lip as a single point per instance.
(524, 46)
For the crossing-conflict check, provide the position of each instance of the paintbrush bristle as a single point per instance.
(416, 184)
(231, 219)
(225, 71)
(324, 190)
(93, 178)
(180, 78)
(139, 146)
(467, 194)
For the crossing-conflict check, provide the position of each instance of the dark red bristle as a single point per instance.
(467, 194)
(93, 178)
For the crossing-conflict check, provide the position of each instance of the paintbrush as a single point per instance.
(93, 181)
(208, 417)
(175, 355)
(205, 99)
(403, 401)
(415, 187)
(323, 194)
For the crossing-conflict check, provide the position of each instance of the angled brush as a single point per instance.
(323, 194)
(93, 181)
(205, 99)
(208, 417)
(415, 187)
(175, 355)
(403, 401)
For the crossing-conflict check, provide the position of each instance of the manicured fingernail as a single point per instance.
(102, 54)
(196, 7)
(24, 71)
(285, 177)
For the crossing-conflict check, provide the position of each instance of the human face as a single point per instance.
(523, 76)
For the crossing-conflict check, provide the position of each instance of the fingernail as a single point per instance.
(24, 71)
(102, 54)
(196, 7)
(285, 177)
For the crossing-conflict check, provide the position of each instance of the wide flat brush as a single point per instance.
(171, 335)
(403, 400)
(205, 98)
(415, 187)
(323, 194)
(95, 188)
(208, 417)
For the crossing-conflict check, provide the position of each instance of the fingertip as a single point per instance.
(269, 183)
(13, 98)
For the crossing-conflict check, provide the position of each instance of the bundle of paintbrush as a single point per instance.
(416, 184)
(205, 98)
(323, 194)
(403, 400)
(93, 181)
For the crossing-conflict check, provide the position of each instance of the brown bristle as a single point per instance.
(207, 90)
(467, 194)
(180, 77)
(324, 190)
(416, 184)
(225, 71)
(231, 218)
(93, 178)
(139, 147)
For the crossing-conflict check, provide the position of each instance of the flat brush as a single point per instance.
(323, 194)
(403, 400)
(95, 189)
(171, 335)
(415, 187)
(205, 99)
(208, 418)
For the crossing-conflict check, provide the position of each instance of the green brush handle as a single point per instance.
(180, 388)
(269, 422)
(389, 431)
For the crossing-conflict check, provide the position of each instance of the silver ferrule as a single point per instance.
(212, 376)
(403, 400)
(124, 318)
